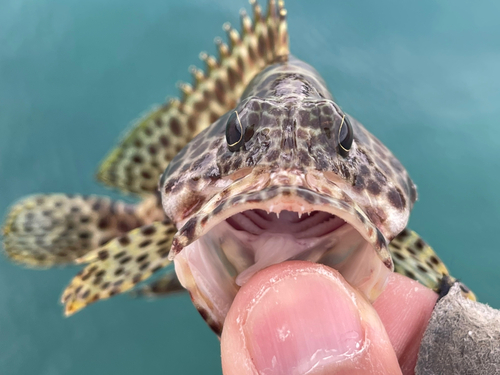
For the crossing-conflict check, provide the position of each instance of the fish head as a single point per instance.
(285, 175)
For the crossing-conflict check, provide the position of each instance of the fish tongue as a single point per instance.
(271, 249)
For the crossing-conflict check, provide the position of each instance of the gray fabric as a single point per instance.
(463, 337)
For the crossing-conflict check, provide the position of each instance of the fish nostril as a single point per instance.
(249, 131)
(327, 132)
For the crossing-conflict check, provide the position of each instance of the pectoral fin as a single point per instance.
(119, 265)
(414, 258)
(56, 229)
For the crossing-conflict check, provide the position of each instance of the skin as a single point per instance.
(393, 325)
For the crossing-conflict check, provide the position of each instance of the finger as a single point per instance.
(405, 307)
(299, 317)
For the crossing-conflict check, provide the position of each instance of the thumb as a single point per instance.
(299, 317)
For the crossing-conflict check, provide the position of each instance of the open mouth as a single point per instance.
(263, 239)
(235, 239)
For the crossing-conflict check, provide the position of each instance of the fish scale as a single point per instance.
(289, 153)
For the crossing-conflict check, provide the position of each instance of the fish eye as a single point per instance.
(234, 132)
(345, 136)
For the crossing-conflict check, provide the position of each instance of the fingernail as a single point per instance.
(300, 323)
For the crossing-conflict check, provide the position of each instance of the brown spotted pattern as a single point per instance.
(119, 265)
(414, 258)
(291, 125)
(136, 164)
(56, 229)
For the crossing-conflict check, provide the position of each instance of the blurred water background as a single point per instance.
(422, 76)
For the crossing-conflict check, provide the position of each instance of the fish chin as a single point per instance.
(294, 224)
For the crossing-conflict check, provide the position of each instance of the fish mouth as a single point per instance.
(218, 250)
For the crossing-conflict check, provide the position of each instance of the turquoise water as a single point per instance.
(422, 76)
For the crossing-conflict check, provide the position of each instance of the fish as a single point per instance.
(255, 164)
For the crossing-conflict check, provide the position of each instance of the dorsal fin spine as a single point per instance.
(257, 11)
(271, 9)
(198, 75)
(222, 48)
(210, 62)
(232, 34)
(284, 49)
(246, 23)
(186, 89)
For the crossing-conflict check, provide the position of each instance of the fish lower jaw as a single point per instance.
(216, 265)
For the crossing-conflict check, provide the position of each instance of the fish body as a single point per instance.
(256, 164)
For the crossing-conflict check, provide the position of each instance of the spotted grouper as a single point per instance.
(255, 165)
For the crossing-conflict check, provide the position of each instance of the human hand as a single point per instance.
(299, 317)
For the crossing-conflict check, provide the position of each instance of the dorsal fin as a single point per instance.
(144, 153)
